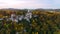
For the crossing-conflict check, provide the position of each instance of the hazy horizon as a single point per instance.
(30, 4)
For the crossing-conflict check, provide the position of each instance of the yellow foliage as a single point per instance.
(1, 15)
(36, 33)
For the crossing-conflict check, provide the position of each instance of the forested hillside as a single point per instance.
(29, 22)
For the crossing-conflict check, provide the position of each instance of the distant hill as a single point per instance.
(13, 9)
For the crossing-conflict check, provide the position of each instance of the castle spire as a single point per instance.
(28, 10)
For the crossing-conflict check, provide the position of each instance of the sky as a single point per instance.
(30, 4)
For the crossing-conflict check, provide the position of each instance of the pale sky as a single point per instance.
(31, 4)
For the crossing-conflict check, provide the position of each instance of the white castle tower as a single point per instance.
(28, 15)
